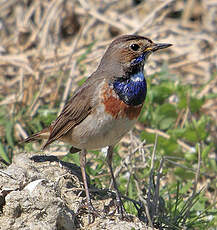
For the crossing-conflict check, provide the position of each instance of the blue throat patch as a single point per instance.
(141, 58)
(133, 90)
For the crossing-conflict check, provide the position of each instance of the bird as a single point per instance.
(106, 106)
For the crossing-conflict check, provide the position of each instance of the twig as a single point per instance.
(103, 18)
(6, 4)
(157, 187)
(70, 79)
(150, 199)
(123, 162)
(6, 174)
(167, 136)
(130, 165)
(154, 151)
(20, 130)
(144, 202)
(195, 187)
(53, 12)
(188, 11)
(38, 95)
(187, 62)
(185, 116)
(154, 13)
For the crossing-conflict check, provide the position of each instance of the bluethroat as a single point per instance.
(106, 106)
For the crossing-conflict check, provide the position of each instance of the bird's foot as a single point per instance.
(92, 213)
(90, 210)
(120, 208)
(122, 212)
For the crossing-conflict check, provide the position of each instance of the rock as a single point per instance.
(42, 192)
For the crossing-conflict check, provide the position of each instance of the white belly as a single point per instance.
(98, 131)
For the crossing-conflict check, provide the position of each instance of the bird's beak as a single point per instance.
(157, 46)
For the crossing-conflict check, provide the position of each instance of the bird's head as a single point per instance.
(128, 53)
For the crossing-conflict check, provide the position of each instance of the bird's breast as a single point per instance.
(117, 108)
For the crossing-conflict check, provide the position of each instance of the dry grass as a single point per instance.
(42, 39)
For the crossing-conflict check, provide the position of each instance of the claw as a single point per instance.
(92, 212)
(120, 207)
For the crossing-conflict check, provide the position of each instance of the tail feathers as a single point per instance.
(43, 134)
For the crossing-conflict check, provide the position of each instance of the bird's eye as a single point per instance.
(134, 47)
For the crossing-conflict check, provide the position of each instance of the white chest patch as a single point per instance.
(98, 130)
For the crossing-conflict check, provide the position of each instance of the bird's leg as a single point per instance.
(120, 207)
(91, 209)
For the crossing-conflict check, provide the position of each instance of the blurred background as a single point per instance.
(48, 48)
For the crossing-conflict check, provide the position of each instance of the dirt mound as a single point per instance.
(42, 192)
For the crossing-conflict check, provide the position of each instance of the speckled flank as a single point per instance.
(117, 108)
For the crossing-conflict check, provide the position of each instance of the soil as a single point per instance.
(43, 192)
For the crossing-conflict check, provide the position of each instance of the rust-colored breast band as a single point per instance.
(116, 107)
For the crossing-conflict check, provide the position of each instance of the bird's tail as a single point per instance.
(43, 134)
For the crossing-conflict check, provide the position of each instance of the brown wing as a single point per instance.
(75, 111)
